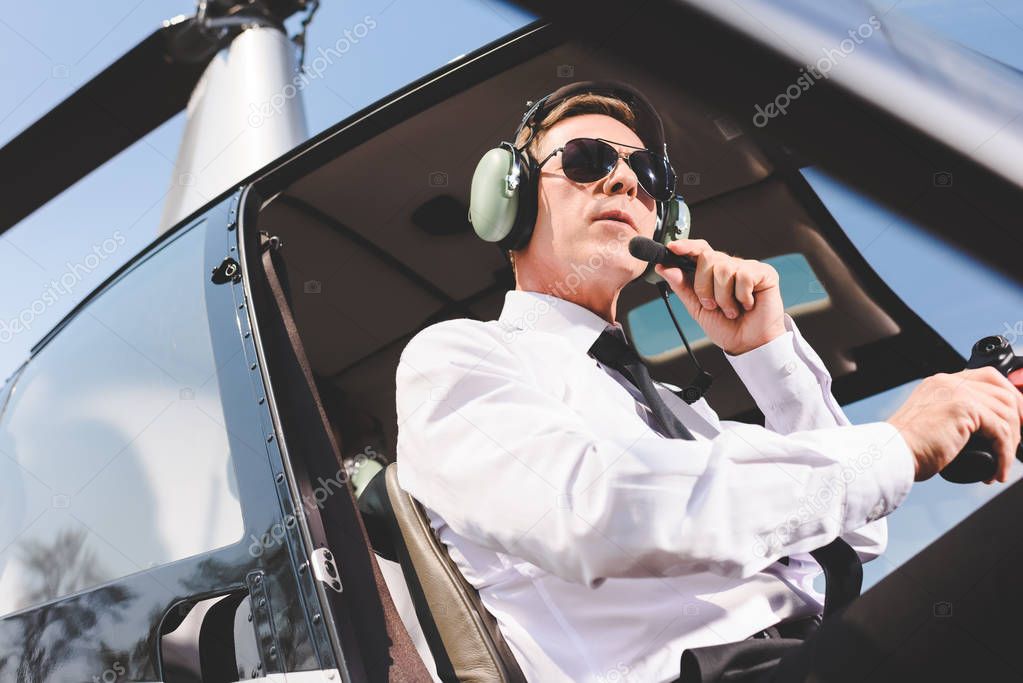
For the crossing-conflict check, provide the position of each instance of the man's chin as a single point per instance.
(620, 268)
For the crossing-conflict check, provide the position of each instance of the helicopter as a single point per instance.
(189, 444)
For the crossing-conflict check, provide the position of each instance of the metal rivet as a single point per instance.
(316, 618)
(262, 602)
(262, 400)
(241, 305)
(257, 578)
(302, 567)
(269, 438)
(280, 477)
(247, 335)
(273, 652)
(252, 367)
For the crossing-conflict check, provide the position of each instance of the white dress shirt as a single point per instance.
(602, 547)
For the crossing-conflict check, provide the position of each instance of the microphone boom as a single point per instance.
(648, 250)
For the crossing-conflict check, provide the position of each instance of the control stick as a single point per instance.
(977, 461)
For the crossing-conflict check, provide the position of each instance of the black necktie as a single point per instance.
(843, 571)
(615, 352)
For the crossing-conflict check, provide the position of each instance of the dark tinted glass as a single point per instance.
(585, 160)
(653, 173)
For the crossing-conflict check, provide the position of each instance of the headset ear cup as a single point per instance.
(492, 205)
(673, 221)
(522, 225)
(680, 221)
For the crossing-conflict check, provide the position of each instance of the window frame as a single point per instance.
(146, 599)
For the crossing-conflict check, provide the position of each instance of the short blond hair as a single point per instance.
(584, 103)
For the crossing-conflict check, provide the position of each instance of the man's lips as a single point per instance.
(614, 215)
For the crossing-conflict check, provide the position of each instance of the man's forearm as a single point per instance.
(792, 387)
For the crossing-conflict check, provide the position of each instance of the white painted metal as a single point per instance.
(245, 112)
(324, 569)
(318, 676)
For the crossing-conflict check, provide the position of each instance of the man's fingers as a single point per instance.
(989, 375)
(997, 421)
(687, 247)
(681, 285)
(675, 277)
(744, 282)
(702, 278)
(724, 289)
(993, 382)
(703, 283)
(1010, 392)
(721, 281)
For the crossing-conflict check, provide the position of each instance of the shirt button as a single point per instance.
(789, 368)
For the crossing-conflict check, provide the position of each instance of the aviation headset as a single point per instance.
(503, 196)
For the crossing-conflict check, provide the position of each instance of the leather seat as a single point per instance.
(454, 620)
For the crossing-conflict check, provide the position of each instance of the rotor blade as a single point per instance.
(146, 86)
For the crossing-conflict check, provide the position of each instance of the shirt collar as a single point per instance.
(547, 313)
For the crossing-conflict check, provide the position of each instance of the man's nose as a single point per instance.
(621, 179)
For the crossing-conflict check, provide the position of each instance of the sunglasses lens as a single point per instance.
(654, 174)
(585, 160)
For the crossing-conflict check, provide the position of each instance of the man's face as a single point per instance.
(570, 228)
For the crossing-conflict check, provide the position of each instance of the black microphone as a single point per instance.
(650, 251)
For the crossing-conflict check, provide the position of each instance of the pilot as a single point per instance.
(607, 523)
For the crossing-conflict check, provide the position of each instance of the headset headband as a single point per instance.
(648, 122)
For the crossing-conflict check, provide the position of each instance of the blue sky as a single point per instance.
(50, 48)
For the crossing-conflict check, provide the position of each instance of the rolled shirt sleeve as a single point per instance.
(792, 387)
(510, 467)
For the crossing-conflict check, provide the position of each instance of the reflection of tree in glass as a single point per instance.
(60, 568)
(54, 635)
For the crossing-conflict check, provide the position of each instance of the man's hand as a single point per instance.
(945, 409)
(736, 301)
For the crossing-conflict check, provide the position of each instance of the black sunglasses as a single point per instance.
(587, 159)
